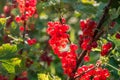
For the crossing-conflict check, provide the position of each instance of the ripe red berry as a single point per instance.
(28, 62)
(112, 24)
(117, 35)
(18, 19)
(23, 17)
(106, 48)
(6, 9)
(31, 41)
(63, 20)
(85, 44)
(73, 47)
(46, 58)
(94, 44)
(86, 58)
(34, 41)
(24, 74)
(21, 28)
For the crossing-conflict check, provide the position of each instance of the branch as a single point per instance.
(96, 35)
(103, 18)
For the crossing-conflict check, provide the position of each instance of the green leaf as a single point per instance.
(13, 25)
(42, 76)
(10, 64)
(114, 13)
(53, 77)
(3, 20)
(85, 8)
(119, 72)
(7, 51)
(16, 61)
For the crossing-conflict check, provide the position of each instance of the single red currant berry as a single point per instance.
(27, 4)
(24, 74)
(63, 20)
(106, 48)
(21, 28)
(6, 9)
(94, 44)
(29, 41)
(108, 45)
(34, 41)
(112, 24)
(86, 58)
(73, 47)
(117, 35)
(18, 19)
(23, 17)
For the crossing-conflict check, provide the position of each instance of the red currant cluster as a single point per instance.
(27, 9)
(59, 37)
(68, 60)
(88, 27)
(106, 48)
(31, 41)
(60, 44)
(89, 72)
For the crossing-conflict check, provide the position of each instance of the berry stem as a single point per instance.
(85, 72)
(112, 67)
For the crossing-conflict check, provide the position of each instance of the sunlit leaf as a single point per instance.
(42, 76)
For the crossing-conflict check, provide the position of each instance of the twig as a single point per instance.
(113, 67)
(103, 18)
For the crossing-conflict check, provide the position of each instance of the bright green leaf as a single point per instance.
(42, 76)
(8, 66)
(7, 51)
(16, 61)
